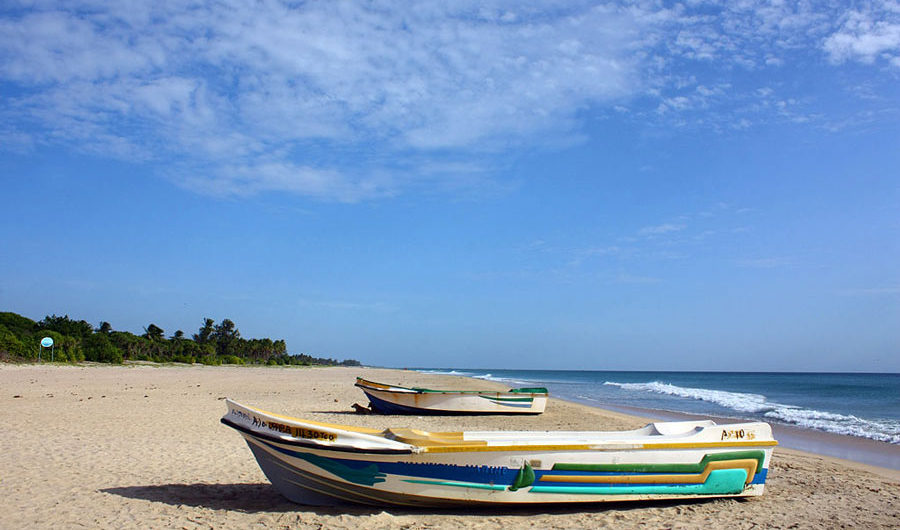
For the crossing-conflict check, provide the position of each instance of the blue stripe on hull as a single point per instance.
(352, 470)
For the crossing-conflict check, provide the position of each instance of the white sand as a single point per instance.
(142, 447)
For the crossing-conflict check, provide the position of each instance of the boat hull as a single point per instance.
(321, 464)
(388, 399)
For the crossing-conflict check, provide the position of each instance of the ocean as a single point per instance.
(857, 405)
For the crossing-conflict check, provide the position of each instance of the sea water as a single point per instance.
(861, 405)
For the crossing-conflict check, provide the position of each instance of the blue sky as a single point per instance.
(574, 185)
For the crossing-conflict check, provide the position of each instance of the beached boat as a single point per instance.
(392, 399)
(318, 463)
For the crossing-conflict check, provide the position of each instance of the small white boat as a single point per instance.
(323, 464)
(392, 399)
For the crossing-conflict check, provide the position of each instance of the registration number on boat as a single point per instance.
(300, 432)
(737, 434)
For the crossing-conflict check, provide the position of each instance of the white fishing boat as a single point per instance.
(323, 464)
(392, 399)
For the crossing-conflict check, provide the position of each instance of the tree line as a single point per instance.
(77, 340)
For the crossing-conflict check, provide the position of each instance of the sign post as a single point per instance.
(46, 342)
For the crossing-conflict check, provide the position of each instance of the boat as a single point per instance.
(319, 463)
(392, 399)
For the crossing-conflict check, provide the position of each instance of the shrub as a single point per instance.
(209, 360)
(98, 348)
(231, 359)
(11, 345)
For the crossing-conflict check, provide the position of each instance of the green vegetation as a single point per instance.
(77, 340)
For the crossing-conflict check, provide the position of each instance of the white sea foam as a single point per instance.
(734, 400)
(492, 377)
(881, 430)
(486, 377)
(445, 372)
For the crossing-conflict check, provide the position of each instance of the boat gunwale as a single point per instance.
(310, 444)
(423, 446)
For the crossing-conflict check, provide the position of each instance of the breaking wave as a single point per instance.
(756, 405)
(446, 372)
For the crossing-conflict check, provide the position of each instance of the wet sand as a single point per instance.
(142, 447)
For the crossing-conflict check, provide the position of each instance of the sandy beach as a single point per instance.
(141, 446)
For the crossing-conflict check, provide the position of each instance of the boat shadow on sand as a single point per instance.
(262, 497)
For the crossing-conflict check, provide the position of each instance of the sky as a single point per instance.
(645, 185)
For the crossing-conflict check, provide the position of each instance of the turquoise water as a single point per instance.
(859, 405)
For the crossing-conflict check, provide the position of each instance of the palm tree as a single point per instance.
(153, 332)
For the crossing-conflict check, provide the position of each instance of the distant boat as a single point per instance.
(323, 464)
(391, 399)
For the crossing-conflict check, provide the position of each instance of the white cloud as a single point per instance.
(636, 279)
(233, 86)
(298, 97)
(867, 35)
(276, 175)
(335, 305)
(872, 291)
(767, 263)
(56, 46)
(661, 229)
(665, 242)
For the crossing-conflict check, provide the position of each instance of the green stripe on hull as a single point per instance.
(458, 484)
(720, 482)
(368, 475)
(759, 456)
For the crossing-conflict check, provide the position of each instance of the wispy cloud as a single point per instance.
(665, 228)
(636, 279)
(654, 244)
(252, 96)
(339, 305)
(767, 263)
(872, 291)
(248, 98)
(867, 35)
(583, 254)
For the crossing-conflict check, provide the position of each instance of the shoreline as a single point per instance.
(873, 454)
(141, 446)
(880, 457)
(856, 449)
